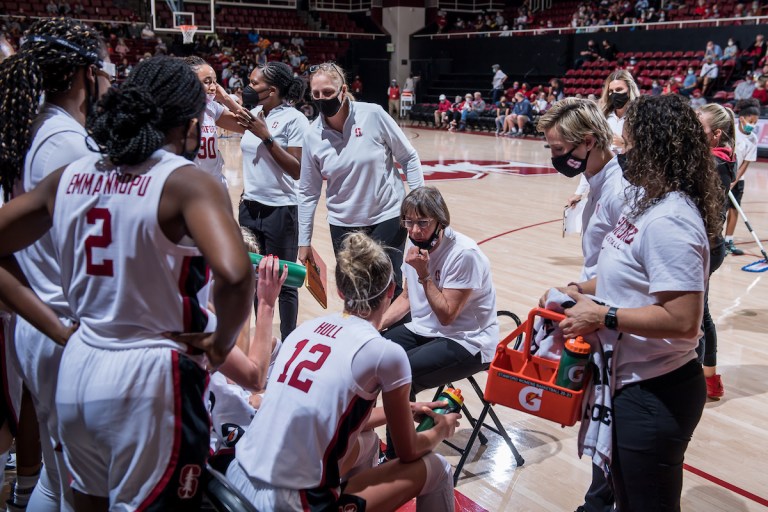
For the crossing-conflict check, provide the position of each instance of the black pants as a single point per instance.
(708, 353)
(277, 231)
(390, 233)
(653, 424)
(434, 362)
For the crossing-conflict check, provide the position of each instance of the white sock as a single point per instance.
(728, 238)
(3, 460)
(437, 493)
(22, 491)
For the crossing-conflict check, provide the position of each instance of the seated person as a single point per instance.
(442, 110)
(447, 289)
(708, 74)
(520, 116)
(476, 107)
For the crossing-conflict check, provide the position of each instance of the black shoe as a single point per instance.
(731, 248)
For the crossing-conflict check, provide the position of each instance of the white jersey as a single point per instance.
(663, 250)
(126, 282)
(58, 140)
(746, 148)
(209, 157)
(263, 179)
(363, 185)
(457, 263)
(605, 203)
(325, 382)
(617, 127)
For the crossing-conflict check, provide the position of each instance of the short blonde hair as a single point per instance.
(576, 118)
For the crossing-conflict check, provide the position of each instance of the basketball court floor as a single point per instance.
(504, 194)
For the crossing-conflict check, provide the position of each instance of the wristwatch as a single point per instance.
(611, 321)
(268, 141)
(424, 279)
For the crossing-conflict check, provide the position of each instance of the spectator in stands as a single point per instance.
(454, 114)
(124, 68)
(656, 88)
(498, 83)
(541, 105)
(589, 54)
(78, 9)
(511, 91)
(443, 107)
(752, 55)
(52, 9)
(459, 25)
(521, 114)
(500, 21)
(505, 32)
(744, 89)
(441, 21)
(263, 43)
(731, 50)
(357, 87)
(146, 33)
(760, 93)
(393, 95)
(697, 99)
(713, 50)
(708, 74)
(64, 8)
(409, 85)
(690, 82)
(236, 81)
(671, 87)
(121, 49)
(502, 111)
(297, 41)
(476, 107)
(609, 51)
(160, 47)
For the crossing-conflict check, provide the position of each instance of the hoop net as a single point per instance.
(188, 33)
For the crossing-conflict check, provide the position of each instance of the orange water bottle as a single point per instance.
(573, 364)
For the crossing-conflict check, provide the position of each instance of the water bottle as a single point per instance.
(573, 364)
(455, 401)
(297, 273)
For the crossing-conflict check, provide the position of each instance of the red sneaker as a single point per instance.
(715, 388)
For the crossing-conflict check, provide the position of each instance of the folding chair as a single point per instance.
(479, 422)
(219, 492)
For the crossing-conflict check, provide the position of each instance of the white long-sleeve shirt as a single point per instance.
(364, 186)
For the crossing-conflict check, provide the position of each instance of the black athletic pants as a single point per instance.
(277, 231)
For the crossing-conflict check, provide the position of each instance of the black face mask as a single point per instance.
(569, 165)
(619, 99)
(429, 243)
(330, 107)
(191, 155)
(252, 97)
(621, 158)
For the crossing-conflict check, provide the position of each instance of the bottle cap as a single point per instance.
(455, 395)
(577, 345)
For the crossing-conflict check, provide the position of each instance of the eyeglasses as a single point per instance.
(326, 66)
(422, 223)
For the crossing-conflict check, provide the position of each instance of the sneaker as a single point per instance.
(731, 248)
(10, 464)
(715, 389)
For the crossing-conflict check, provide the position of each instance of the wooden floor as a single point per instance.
(504, 194)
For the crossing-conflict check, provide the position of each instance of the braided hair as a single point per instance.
(195, 61)
(280, 75)
(131, 121)
(54, 50)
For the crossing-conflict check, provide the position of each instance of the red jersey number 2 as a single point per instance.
(102, 241)
(313, 366)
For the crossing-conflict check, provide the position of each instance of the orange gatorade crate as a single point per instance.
(526, 382)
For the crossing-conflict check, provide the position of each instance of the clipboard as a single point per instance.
(317, 278)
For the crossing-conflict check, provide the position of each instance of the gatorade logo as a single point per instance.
(530, 398)
(576, 374)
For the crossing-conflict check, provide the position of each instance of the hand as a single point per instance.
(255, 124)
(221, 93)
(270, 280)
(419, 260)
(618, 141)
(584, 317)
(416, 408)
(445, 424)
(255, 400)
(733, 184)
(305, 253)
(575, 198)
(65, 333)
(204, 341)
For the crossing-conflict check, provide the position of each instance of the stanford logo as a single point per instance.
(188, 480)
(574, 164)
(358, 132)
(275, 124)
(435, 170)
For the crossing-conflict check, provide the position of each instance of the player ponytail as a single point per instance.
(54, 50)
(132, 121)
(280, 75)
(363, 274)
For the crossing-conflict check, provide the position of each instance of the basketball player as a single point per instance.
(311, 445)
(220, 110)
(66, 63)
(134, 230)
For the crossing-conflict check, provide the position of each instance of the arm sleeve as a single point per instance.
(402, 150)
(464, 272)
(60, 149)
(583, 187)
(296, 131)
(310, 185)
(674, 253)
(751, 155)
(381, 364)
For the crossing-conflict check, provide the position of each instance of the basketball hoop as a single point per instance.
(188, 33)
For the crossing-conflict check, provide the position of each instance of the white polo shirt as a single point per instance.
(746, 148)
(458, 263)
(664, 250)
(263, 179)
(363, 185)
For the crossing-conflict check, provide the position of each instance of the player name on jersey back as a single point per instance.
(113, 183)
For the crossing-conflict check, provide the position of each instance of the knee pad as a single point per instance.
(439, 473)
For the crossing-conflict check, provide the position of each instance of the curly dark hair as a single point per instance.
(131, 121)
(55, 49)
(669, 153)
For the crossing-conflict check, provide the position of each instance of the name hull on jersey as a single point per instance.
(109, 184)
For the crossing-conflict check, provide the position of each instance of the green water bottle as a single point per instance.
(573, 364)
(297, 273)
(455, 401)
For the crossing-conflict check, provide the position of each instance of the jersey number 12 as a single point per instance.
(313, 366)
